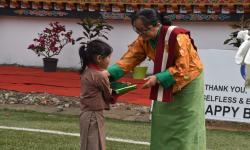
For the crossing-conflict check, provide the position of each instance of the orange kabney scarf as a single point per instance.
(164, 59)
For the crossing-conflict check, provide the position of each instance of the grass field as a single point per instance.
(22, 140)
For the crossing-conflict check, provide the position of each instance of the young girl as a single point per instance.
(95, 94)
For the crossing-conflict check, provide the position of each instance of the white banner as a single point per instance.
(225, 94)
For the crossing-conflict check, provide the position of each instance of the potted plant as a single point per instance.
(93, 29)
(140, 71)
(50, 43)
(243, 24)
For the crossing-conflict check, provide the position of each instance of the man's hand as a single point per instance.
(150, 81)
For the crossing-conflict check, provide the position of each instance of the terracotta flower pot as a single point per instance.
(50, 64)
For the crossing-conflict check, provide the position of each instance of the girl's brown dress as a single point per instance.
(95, 97)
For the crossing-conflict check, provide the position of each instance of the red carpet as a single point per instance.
(65, 83)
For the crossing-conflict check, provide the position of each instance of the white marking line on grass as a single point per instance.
(74, 134)
(127, 141)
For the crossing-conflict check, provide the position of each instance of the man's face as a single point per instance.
(147, 32)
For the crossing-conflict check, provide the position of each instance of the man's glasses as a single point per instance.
(141, 32)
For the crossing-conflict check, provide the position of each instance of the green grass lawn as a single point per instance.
(21, 140)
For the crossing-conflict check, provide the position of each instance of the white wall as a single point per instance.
(16, 33)
(208, 35)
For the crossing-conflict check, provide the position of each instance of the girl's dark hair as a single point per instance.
(88, 53)
(149, 16)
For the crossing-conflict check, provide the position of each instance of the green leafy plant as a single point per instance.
(243, 24)
(93, 29)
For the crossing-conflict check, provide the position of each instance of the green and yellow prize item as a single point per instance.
(120, 88)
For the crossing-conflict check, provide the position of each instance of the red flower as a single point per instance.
(32, 46)
(52, 40)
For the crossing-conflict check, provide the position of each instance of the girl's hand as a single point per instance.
(150, 81)
(114, 98)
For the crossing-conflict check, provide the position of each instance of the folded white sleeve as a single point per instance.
(242, 52)
(247, 81)
(247, 57)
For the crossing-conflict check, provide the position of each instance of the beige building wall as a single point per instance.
(16, 33)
